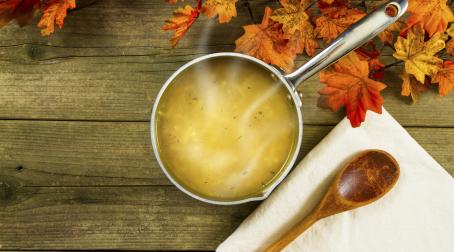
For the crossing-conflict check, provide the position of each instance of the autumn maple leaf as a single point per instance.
(411, 87)
(225, 9)
(450, 47)
(419, 55)
(387, 36)
(433, 15)
(292, 16)
(267, 42)
(322, 4)
(20, 10)
(304, 40)
(54, 11)
(183, 19)
(450, 44)
(295, 23)
(445, 78)
(328, 2)
(335, 20)
(450, 31)
(348, 84)
(369, 53)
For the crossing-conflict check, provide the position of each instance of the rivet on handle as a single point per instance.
(392, 10)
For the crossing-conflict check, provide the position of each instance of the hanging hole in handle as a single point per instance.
(392, 10)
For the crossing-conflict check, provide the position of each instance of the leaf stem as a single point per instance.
(444, 56)
(387, 66)
(392, 64)
(311, 4)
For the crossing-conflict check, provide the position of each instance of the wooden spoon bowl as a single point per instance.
(368, 177)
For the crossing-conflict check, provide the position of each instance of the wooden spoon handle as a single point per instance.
(293, 233)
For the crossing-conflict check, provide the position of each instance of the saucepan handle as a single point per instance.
(355, 36)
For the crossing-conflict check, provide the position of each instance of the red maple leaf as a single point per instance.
(54, 11)
(348, 84)
(20, 10)
(182, 20)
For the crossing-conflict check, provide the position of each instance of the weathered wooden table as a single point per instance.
(76, 166)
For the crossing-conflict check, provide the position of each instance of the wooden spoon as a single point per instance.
(368, 177)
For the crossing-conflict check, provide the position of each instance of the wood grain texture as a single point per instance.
(143, 218)
(111, 58)
(88, 153)
(41, 153)
(76, 166)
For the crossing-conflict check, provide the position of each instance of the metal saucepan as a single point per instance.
(356, 35)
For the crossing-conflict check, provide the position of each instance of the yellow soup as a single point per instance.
(226, 128)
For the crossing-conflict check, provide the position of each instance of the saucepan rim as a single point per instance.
(284, 171)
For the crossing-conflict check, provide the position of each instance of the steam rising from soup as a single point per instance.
(226, 128)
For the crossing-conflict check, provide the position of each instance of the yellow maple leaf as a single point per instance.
(225, 9)
(433, 15)
(419, 55)
(54, 11)
(411, 87)
(445, 78)
(450, 31)
(335, 20)
(292, 16)
(267, 42)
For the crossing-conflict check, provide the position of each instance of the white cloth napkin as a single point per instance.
(416, 215)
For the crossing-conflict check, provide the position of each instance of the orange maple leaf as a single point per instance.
(182, 20)
(54, 11)
(267, 42)
(225, 9)
(304, 40)
(412, 87)
(327, 1)
(295, 23)
(433, 15)
(331, 3)
(348, 84)
(450, 44)
(445, 78)
(450, 47)
(387, 36)
(369, 53)
(335, 20)
(21, 10)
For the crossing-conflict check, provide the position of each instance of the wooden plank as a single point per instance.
(125, 23)
(88, 153)
(111, 58)
(41, 153)
(148, 218)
